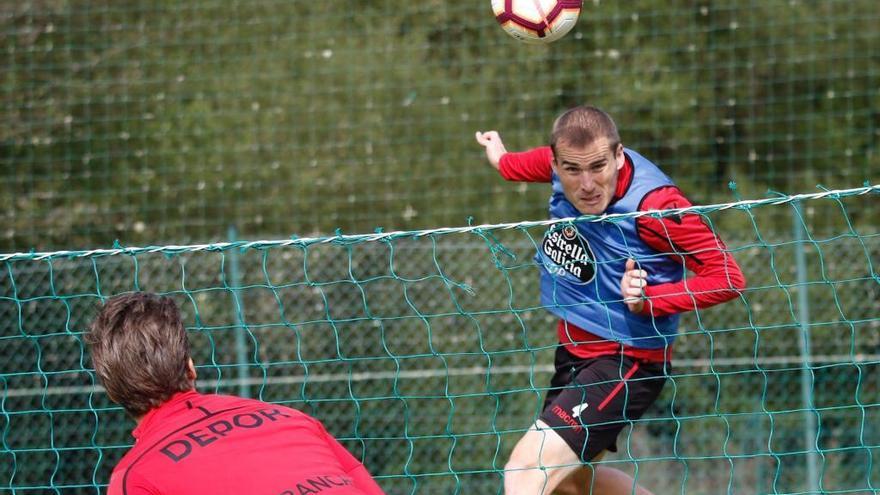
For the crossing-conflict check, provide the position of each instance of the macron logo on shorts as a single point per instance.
(578, 409)
(566, 418)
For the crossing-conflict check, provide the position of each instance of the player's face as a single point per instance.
(589, 174)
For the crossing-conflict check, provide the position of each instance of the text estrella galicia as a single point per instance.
(567, 251)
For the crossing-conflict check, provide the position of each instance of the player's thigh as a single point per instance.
(542, 447)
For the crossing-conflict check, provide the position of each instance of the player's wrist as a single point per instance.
(502, 160)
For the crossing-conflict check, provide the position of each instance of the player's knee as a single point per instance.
(523, 476)
(520, 461)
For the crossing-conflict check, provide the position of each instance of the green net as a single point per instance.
(428, 353)
(165, 121)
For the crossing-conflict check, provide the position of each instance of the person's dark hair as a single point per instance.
(582, 126)
(140, 351)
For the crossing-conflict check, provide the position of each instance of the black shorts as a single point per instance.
(591, 400)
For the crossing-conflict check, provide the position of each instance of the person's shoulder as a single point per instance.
(648, 171)
(665, 197)
(221, 401)
(126, 478)
(123, 465)
(636, 157)
(130, 458)
(640, 160)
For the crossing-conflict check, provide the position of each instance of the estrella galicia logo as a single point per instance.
(569, 252)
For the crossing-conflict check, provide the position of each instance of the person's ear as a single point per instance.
(191, 370)
(619, 156)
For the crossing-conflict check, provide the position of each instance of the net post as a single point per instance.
(240, 345)
(806, 379)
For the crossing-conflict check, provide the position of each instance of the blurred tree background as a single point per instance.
(169, 122)
(166, 121)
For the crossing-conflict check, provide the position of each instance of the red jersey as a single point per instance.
(217, 444)
(686, 238)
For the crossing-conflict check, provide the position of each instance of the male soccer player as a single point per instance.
(617, 289)
(192, 443)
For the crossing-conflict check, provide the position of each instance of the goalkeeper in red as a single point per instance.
(617, 288)
(192, 443)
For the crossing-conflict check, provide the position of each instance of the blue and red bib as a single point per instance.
(582, 264)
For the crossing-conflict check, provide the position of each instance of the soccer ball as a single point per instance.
(537, 21)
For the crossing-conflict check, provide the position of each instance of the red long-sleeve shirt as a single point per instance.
(685, 238)
(217, 444)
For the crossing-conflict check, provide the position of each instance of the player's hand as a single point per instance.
(632, 286)
(491, 140)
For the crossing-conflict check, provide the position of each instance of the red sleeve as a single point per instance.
(688, 239)
(527, 166)
(353, 467)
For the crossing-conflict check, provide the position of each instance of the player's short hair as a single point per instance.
(140, 351)
(583, 125)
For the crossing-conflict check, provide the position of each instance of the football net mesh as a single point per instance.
(428, 354)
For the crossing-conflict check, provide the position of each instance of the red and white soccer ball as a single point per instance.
(537, 21)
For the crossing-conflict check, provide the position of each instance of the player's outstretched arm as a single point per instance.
(534, 165)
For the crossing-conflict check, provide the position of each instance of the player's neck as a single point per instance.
(138, 420)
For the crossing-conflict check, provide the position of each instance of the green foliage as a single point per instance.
(168, 121)
(165, 122)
